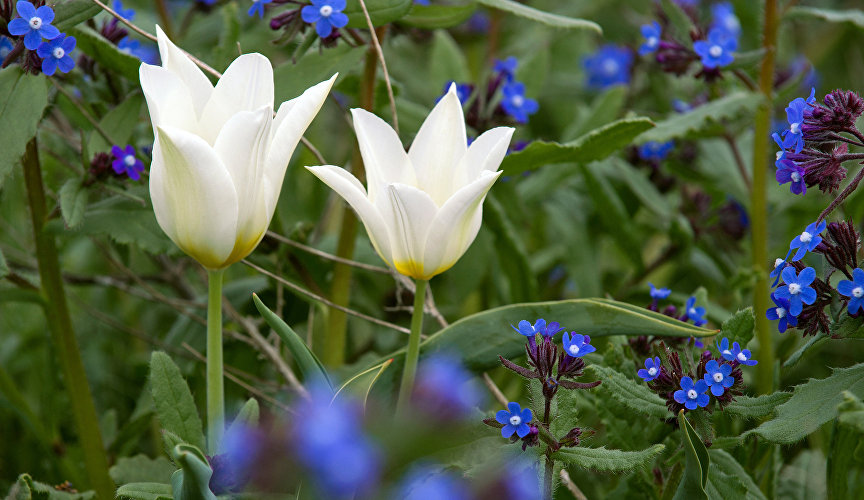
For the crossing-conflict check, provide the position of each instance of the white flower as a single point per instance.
(220, 155)
(422, 209)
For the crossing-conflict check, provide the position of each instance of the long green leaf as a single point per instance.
(854, 17)
(72, 12)
(105, 53)
(692, 485)
(311, 368)
(438, 16)
(144, 491)
(692, 123)
(175, 406)
(22, 100)
(630, 393)
(725, 464)
(546, 18)
(381, 12)
(141, 469)
(758, 407)
(602, 459)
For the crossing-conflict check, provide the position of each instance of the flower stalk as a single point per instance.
(413, 352)
(215, 378)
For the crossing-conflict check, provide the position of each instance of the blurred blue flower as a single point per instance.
(507, 67)
(652, 33)
(326, 15)
(577, 345)
(516, 104)
(6, 47)
(696, 314)
(716, 52)
(429, 482)
(717, 377)
(463, 92)
(34, 24)
(521, 480)
(446, 387)
(146, 53)
(854, 290)
(781, 312)
(798, 109)
(797, 288)
(789, 171)
(692, 395)
(651, 370)
(515, 420)
(257, 8)
(659, 293)
(681, 106)
(529, 331)
(55, 54)
(725, 20)
(807, 241)
(655, 151)
(127, 14)
(608, 66)
(125, 162)
(421, 2)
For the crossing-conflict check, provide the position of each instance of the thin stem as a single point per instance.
(739, 161)
(215, 380)
(413, 352)
(547, 477)
(758, 195)
(325, 255)
(380, 52)
(62, 333)
(165, 18)
(842, 196)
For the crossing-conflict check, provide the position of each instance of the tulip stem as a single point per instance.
(215, 380)
(413, 352)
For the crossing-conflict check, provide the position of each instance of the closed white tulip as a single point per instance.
(220, 155)
(422, 209)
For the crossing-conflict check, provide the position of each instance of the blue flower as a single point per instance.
(652, 33)
(797, 288)
(520, 480)
(34, 24)
(725, 20)
(779, 264)
(258, 8)
(55, 53)
(125, 162)
(6, 47)
(651, 370)
(807, 241)
(463, 92)
(717, 51)
(446, 387)
(717, 377)
(853, 289)
(577, 345)
(655, 151)
(681, 106)
(789, 171)
(421, 2)
(797, 110)
(134, 48)
(551, 330)
(515, 103)
(724, 349)
(781, 312)
(694, 313)
(692, 395)
(326, 14)
(659, 293)
(609, 66)
(529, 331)
(742, 356)
(515, 421)
(781, 155)
(507, 67)
(430, 482)
(127, 14)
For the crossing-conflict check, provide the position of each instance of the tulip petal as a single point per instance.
(456, 225)
(168, 98)
(289, 126)
(408, 213)
(485, 153)
(247, 85)
(177, 62)
(438, 147)
(242, 146)
(384, 157)
(350, 189)
(193, 196)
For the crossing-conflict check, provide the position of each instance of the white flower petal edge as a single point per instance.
(422, 209)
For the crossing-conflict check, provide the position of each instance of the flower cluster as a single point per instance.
(503, 89)
(325, 15)
(610, 65)
(33, 33)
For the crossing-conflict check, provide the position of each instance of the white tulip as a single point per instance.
(220, 155)
(423, 208)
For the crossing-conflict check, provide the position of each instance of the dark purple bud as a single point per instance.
(824, 169)
(572, 437)
(840, 111)
(840, 246)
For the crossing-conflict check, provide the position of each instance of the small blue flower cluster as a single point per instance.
(655, 151)
(796, 290)
(792, 140)
(513, 98)
(575, 345)
(445, 388)
(692, 312)
(610, 65)
(717, 51)
(35, 25)
(326, 15)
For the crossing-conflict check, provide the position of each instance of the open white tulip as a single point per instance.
(220, 155)
(423, 208)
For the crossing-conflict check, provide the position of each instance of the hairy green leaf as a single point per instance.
(546, 18)
(739, 327)
(758, 407)
(73, 202)
(141, 469)
(432, 17)
(692, 485)
(630, 393)
(851, 16)
(602, 459)
(22, 100)
(4, 267)
(145, 491)
(175, 406)
(105, 53)
(71, 12)
(690, 124)
(725, 464)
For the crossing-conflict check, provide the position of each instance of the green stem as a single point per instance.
(413, 352)
(215, 380)
(758, 205)
(62, 333)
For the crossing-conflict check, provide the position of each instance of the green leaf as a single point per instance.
(175, 406)
(680, 21)
(73, 202)
(690, 124)
(248, 415)
(447, 60)
(380, 11)
(25, 488)
(610, 209)
(641, 186)
(291, 80)
(692, 485)
(4, 268)
(141, 469)
(511, 252)
(797, 355)
(22, 100)
(739, 327)
(105, 53)
(593, 146)
(852, 16)
(312, 369)
(546, 18)
(192, 481)
(845, 440)
(602, 459)
(432, 17)
(723, 462)
(758, 407)
(630, 393)
(72, 12)
(372, 374)
(119, 124)
(812, 404)
(144, 491)
(605, 108)
(227, 50)
(848, 327)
